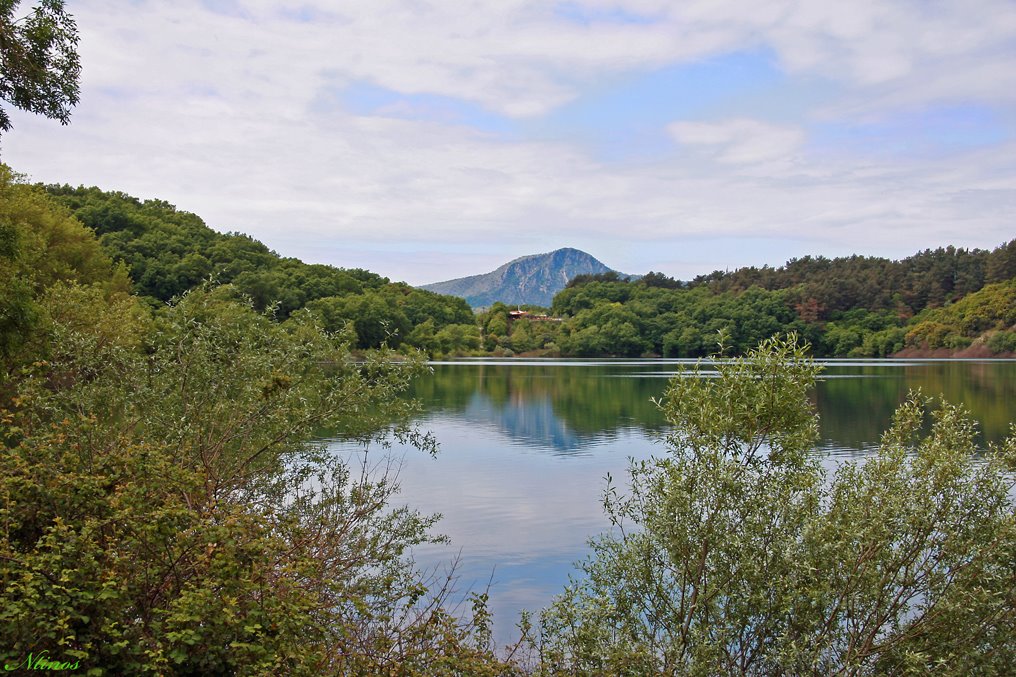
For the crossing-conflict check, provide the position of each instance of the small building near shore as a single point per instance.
(526, 315)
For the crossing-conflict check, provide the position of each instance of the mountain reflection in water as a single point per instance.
(526, 446)
(527, 422)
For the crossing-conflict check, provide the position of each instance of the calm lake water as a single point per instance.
(526, 446)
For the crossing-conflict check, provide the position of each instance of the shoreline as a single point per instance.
(973, 352)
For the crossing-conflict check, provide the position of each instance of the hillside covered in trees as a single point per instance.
(167, 506)
(940, 302)
(946, 301)
(167, 252)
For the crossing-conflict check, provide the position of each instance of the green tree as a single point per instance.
(521, 336)
(457, 338)
(1001, 265)
(165, 512)
(374, 317)
(39, 66)
(40, 244)
(736, 554)
(422, 336)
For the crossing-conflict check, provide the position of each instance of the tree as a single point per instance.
(40, 244)
(1001, 264)
(737, 554)
(455, 338)
(165, 512)
(653, 279)
(39, 66)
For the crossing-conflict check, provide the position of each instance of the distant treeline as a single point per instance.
(947, 300)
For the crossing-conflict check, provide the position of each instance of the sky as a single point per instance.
(431, 139)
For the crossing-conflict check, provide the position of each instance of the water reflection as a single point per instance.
(566, 406)
(856, 402)
(558, 408)
(526, 445)
(527, 423)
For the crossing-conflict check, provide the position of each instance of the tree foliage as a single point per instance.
(991, 309)
(170, 251)
(849, 306)
(39, 65)
(737, 554)
(164, 509)
(928, 278)
(40, 244)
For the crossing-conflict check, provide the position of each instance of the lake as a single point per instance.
(526, 446)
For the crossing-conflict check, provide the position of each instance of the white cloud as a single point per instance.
(220, 114)
(740, 141)
(516, 56)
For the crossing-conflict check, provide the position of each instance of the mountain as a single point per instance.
(530, 279)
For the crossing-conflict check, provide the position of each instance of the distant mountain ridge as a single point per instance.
(532, 279)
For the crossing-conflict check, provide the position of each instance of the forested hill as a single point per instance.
(527, 280)
(943, 302)
(946, 301)
(929, 278)
(168, 252)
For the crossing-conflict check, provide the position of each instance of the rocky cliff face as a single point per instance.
(530, 279)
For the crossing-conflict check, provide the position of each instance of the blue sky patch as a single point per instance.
(574, 12)
(627, 115)
(930, 131)
(231, 8)
(307, 14)
(619, 118)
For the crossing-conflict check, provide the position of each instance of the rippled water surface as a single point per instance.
(526, 445)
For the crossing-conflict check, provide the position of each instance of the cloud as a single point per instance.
(240, 112)
(740, 141)
(522, 57)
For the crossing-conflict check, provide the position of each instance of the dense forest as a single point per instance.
(166, 508)
(168, 252)
(937, 302)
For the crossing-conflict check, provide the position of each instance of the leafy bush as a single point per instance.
(737, 554)
(1002, 342)
(165, 513)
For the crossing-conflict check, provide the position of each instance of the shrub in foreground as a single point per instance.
(738, 554)
(163, 510)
